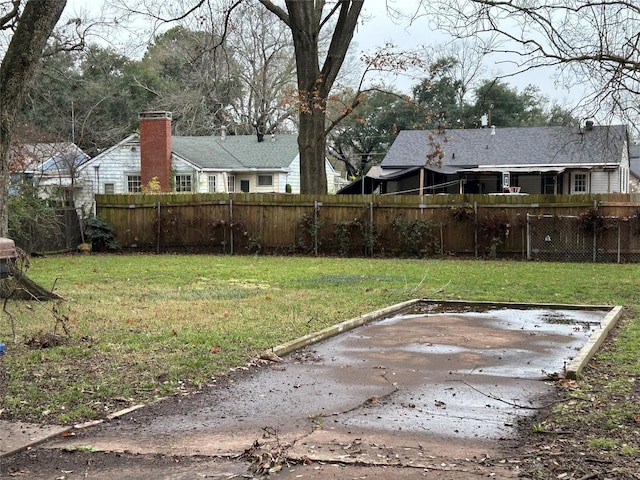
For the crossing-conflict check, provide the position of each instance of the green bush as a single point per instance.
(100, 235)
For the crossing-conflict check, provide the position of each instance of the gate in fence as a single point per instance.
(583, 238)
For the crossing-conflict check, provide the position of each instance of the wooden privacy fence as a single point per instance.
(348, 225)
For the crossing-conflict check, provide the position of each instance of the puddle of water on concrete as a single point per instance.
(511, 351)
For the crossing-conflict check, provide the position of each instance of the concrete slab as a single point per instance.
(15, 436)
(457, 381)
(428, 386)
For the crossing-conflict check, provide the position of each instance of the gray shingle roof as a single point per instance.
(237, 151)
(509, 146)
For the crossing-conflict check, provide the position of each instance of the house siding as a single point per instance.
(625, 171)
(112, 168)
(601, 182)
(203, 182)
(294, 175)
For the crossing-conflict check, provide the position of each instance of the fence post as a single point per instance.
(595, 239)
(158, 229)
(231, 226)
(316, 207)
(528, 237)
(475, 228)
(619, 240)
(595, 233)
(369, 240)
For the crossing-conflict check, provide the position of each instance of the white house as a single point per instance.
(225, 163)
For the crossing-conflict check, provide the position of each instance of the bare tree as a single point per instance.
(263, 49)
(191, 73)
(591, 43)
(468, 67)
(306, 20)
(32, 23)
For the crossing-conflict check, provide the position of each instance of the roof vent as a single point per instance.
(588, 126)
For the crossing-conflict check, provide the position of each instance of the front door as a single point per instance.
(244, 186)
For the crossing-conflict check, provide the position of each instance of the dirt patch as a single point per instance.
(46, 340)
(578, 442)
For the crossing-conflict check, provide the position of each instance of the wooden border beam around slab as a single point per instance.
(575, 368)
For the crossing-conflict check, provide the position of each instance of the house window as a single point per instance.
(265, 180)
(580, 183)
(183, 183)
(134, 183)
(550, 185)
(211, 183)
(231, 184)
(109, 188)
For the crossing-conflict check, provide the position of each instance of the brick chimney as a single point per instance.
(155, 148)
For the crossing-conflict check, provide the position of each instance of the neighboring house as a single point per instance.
(226, 163)
(532, 160)
(50, 167)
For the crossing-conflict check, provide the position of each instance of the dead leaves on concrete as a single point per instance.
(265, 458)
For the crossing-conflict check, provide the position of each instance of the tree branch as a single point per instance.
(7, 21)
(276, 10)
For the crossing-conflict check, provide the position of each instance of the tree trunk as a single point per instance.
(305, 29)
(17, 71)
(312, 147)
(305, 20)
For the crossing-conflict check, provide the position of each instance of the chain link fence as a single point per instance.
(583, 238)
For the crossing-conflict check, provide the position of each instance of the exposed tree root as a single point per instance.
(20, 287)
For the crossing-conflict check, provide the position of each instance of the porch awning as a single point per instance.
(444, 170)
(512, 169)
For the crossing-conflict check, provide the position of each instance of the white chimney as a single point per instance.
(223, 133)
(493, 129)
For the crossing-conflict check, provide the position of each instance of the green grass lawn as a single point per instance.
(146, 326)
